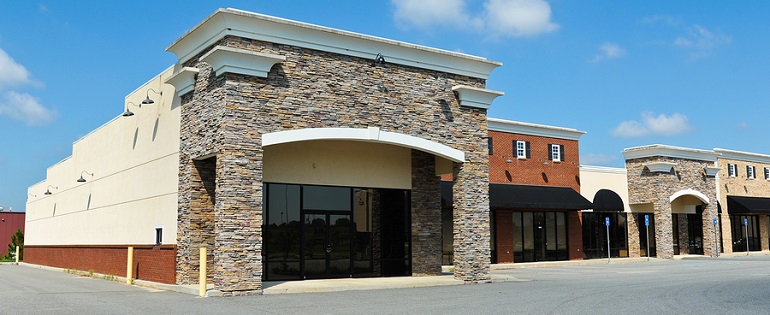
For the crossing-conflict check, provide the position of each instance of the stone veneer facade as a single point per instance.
(656, 188)
(742, 186)
(224, 119)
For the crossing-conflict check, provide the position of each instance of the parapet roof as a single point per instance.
(502, 125)
(266, 28)
(669, 151)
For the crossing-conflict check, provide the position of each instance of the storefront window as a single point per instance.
(739, 233)
(595, 235)
(539, 236)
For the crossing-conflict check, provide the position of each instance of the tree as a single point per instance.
(16, 240)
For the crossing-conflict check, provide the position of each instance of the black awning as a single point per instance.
(536, 197)
(607, 200)
(743, 205)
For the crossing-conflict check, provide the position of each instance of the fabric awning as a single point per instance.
(607, 200)
(744, 205)
(536, 197)
(503, 196)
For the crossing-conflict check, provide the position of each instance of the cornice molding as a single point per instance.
(183, 81)
(669, 151)
(241, 61)
(266, 28)
(743, 156)
(475, 97)
(496, 124)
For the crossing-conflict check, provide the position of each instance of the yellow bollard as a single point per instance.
(202, 275)
(17, 254)
(129, 266)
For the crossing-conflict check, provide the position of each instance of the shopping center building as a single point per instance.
(290, 151)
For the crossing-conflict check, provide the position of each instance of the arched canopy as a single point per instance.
(371, 134)
(607, 200)
(691, 192)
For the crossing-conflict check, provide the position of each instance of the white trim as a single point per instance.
(691, 192)
(603, 169)
(743, 156)
(475, 97)
(660, 167)
(669, 151)
(712, 170)
(523, 149)
(502, 125)
(241, 61)
(371, 134)
(266, 28)
(183, 81)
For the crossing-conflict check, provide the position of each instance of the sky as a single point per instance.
(629, 73)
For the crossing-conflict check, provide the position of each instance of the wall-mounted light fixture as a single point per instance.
(148, 100)
(508, 160)
(129, 113)
(378, 60)
(83, 180)
(48, 191)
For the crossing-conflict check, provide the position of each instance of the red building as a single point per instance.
(10, 222)
(534, 199)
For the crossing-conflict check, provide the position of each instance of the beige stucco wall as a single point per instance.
(595, 178)
(340, 163)
(135, 162)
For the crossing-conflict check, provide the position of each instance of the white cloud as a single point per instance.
(597, 159)
(700, 41)
(24, 107)
(518, 18)
(609, 51)
(499, 18)
(428, 13)
(660, 125)
(12, 73)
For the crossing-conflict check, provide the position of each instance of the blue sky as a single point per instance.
(630, 73)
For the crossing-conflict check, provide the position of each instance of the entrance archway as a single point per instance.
(687, 221)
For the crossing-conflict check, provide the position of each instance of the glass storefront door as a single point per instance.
(539, 236)
(316, 232)
(326, 247)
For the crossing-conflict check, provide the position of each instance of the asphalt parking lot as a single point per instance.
(737, 284)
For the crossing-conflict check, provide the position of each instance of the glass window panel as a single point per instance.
(561, 231)
(529, 231)
(550, 230)
(517, 232)
(326, 198)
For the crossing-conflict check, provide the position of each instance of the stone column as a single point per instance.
(634, 249)
(664, 236)
(471, 221)
(709, 245)
(764, 232)
(238, 216)
(684, 235)
(426, 215)
(727, 233)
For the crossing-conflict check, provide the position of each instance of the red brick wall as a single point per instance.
(151, 263)
(532, 171)
(575, 235)
(10, 222)
(504, 236)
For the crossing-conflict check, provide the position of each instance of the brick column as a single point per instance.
(574, 235)
(471, 220)
(426, 215)
(727, 233)
(504, 236)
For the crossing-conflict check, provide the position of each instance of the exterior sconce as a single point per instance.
(508, 160)
(83, 180)
(378, 60)
(47, 191)
(128, 113)
(148, 100)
